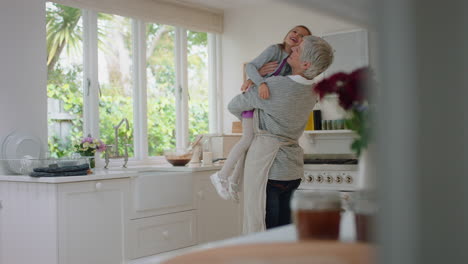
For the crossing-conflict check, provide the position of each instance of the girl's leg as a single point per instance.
(239, 149)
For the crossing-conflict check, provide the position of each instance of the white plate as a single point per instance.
(19, 144)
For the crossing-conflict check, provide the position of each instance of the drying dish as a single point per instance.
(18, 145)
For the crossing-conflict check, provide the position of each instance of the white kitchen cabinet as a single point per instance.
(216, 218)
(162, 216)
(153, 235)
(92, 221)
(111, 218)
(63, 223)
(172, 210)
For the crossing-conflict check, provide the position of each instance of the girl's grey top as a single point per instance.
(272, 53)
(284, 114)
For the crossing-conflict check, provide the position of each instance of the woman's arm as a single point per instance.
(243, 102)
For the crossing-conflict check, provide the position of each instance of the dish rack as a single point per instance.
(26, 166)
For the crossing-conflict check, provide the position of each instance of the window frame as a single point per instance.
(91, 86)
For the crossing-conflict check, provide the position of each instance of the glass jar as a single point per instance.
(317, 214)
(365, 208)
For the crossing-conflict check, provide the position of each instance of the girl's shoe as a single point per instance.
(221, 186)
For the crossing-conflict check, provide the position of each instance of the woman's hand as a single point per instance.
(264, 91)
(268, 68)
(246, 85)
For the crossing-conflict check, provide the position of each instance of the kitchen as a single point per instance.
(21, 50)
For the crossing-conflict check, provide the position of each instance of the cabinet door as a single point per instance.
(92, 217)
(216, 218)
(156, 234)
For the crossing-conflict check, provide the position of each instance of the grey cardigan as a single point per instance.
(272, 53)
(284, 114)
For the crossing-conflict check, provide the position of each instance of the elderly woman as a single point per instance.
(274, 163)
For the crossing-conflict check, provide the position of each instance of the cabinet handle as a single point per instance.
(98, 186)
(165, 234)
(1, 204)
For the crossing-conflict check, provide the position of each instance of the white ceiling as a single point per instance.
(353, 10)
(221, 5)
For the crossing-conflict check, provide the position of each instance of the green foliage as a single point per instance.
(58, 148)
(360, 123)
(65, 85)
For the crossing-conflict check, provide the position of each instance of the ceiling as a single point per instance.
(222, 5)
(353, 10)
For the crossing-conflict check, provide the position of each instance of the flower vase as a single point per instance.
(367, 168)
(92, 162)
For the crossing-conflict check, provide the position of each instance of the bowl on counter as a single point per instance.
(178, 157)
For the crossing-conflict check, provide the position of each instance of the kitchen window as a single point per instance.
(109, 67)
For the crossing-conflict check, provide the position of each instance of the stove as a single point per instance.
(329, 163)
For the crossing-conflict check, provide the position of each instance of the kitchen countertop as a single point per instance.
(112, 173)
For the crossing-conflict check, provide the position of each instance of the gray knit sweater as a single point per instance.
(284, 114)
(272, 53)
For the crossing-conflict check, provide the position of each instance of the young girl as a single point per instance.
(273, 58)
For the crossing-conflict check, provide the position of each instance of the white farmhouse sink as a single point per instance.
(156, 193)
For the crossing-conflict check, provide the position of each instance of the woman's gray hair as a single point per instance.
(318, 52)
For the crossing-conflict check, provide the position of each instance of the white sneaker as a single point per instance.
(220, 186)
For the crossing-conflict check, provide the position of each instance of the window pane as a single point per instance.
(160, 73)
(197, 59)
(64, 78)
(115, 78)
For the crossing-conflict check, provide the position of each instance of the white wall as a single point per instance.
(248, 31)
(23, 72)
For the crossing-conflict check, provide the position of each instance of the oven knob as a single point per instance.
(320, 179)
(329, 179)
(339, 179)
(349, 179)
(310, 178)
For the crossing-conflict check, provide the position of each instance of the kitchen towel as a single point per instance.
(55, 169)
(59, 174)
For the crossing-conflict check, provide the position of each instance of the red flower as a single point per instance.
(331, 84)
(351, 88)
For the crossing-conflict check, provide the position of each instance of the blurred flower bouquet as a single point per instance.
(352, 90)
(88, 147)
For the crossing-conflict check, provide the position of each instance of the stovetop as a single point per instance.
(331, 161)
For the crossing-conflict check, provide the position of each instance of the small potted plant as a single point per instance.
(88, 148)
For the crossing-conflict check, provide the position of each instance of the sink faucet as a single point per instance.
(116, 133)
(115, 155)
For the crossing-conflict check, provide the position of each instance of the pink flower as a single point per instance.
(90, 145)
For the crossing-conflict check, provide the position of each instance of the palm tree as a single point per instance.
(63, 30)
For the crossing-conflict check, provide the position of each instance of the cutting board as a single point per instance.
(315, 252)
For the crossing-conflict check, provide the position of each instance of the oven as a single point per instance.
(329, 162)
